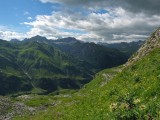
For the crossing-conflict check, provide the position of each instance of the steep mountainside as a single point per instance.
(30, 65)
(152, 43)
(130, 92)
(99, 56)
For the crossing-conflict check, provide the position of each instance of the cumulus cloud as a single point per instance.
(122, 20)
(8, 35)
(148, 6)
(113, 25)
(97, 20)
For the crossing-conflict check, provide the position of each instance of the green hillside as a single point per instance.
(31, 65)
(37, 65)
(132, 94)
(129, 92)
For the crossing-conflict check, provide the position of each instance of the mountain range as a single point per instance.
(126, 92)
(128, 48)
(38, 65)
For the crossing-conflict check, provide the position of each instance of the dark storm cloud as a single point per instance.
(147, 6)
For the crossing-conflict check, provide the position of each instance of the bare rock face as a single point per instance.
(9, 109)
(152, 43)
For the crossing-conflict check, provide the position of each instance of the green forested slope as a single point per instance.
(30, 65)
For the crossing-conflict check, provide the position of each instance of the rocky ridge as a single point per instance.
(152, 43)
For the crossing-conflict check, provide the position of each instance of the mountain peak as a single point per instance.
(36, 38)
(152, 42)
(14, 40)
(68, 40)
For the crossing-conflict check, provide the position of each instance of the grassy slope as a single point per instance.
(132, 94)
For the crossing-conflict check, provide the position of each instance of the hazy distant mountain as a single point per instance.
(69, 40)
(14, 40)
(127, 48)
(97, 55)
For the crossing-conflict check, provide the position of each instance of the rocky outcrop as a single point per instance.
(152, 43)
(9, 109)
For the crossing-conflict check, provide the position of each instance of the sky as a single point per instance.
(87, 20)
